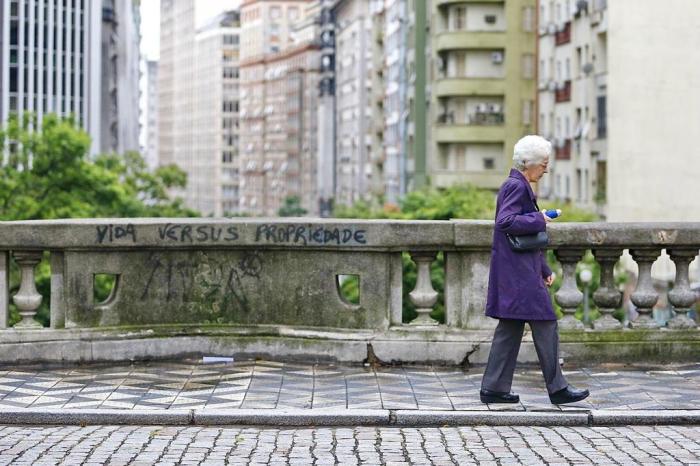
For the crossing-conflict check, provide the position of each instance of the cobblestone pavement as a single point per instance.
(151, 445)
(275, 385)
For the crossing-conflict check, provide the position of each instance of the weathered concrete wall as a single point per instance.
(270, 287)
(228, 287)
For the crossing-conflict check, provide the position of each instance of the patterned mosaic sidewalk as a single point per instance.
(274, 385)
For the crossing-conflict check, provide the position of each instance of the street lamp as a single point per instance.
(586, 276)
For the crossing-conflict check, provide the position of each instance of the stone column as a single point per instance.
(27, 298)
(58, 307)
(423, 296)
(681, 296)
(4, 288)
(569, 296)
(644, 295)
(607, 297)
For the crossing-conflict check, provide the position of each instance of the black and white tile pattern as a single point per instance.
(275, 385)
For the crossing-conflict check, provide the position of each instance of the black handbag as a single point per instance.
(528, 243)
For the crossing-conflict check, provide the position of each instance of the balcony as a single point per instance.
(563, 92)
(563, 36)
(445, 133)
(467, 86)
(562, 150)
(461, 40)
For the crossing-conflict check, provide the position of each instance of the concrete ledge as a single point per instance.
(343, 417)
(489, 418)
(293, 417)
(441, 345)
(77, 416)
(605, 417)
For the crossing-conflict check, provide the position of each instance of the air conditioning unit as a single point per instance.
(496, 58)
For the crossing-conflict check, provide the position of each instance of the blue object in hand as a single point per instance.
(552, 213)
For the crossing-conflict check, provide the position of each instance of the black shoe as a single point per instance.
(488, 396)
(568, 395)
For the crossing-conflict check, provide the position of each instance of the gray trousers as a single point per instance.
(498, 375)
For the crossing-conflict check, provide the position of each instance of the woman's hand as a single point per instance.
(546, 219)
(549, 280)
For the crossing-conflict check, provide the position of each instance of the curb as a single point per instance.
(344, 417)
(87, 416)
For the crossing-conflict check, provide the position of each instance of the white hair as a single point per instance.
(530, 150)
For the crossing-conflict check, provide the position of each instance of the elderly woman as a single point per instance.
(518, 284)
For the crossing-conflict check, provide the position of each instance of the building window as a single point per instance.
(602, 121)
(293, 13)
(529, 18)
(527, 112)
(528, 66)
(230, 39)
(230, 72)
(459, 18)
(275, 12)
(489, 164)
(227, 156)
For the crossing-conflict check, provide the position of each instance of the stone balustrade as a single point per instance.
(273, 287)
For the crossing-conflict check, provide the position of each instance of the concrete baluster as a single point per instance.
(424, 295)
(607, 297)
(569, 296)
(4, 288)
(681, 296)
(644, 295)
(27, 298)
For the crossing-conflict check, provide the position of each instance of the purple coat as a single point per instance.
(516, 279)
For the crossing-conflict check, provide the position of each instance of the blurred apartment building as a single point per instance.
(119, 111)
(75, 57)
(149, 116)
(619, 94)
(572, 99)
(482, 89)
(279, 90)
(216, 164)
(359, 106)
(198, 105)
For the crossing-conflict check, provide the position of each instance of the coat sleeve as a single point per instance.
(546, 271)
(510, 219)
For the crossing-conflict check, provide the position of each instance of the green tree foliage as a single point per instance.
(457, 202)
(291, 208)
(49, 175)
(463, 202)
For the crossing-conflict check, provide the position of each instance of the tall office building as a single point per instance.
(149, 117)
(618, 95)
(395, 73)
(359, 67)
(482, 89)
(216, 175)
(75, 58)
(176, 89)
(119, 128)
(198, 105)
(279, 94)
